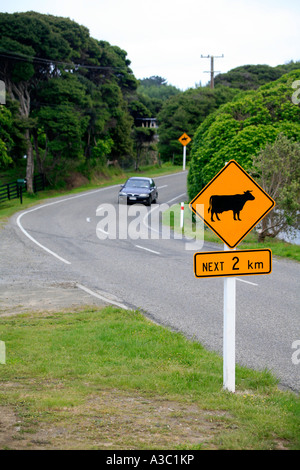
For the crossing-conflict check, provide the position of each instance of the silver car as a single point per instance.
(138, 189)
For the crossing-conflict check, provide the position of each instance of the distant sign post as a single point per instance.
(232, 204)
(184, 140)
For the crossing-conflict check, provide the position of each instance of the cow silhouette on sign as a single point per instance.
(234, 203)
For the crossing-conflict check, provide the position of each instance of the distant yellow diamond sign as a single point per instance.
(232, 204)
(184, 139)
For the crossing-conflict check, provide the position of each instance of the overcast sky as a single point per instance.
(167, 37)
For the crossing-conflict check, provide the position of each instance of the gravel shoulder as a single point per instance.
(30, 280)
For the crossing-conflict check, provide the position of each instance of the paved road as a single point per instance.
(156, 275)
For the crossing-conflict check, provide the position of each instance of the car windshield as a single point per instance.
(134, 183)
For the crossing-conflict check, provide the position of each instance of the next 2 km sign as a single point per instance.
(232, 263)
(232, 204)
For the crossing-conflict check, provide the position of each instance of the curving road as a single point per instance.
(156, 275)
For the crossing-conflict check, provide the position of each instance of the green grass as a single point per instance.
(278, 247)
(60, 366)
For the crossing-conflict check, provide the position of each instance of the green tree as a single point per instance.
(138, 110)
(153, 92)
(119, 124)
(251, 77)
(101, 151)
(184, 113)
(142, 136)
(6, 142)
(60, 113)
(277, 170)
(60, 76)
(154, 81)
(27, 45)
(241, 128)
(157, 87)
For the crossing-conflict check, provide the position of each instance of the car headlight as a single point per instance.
(144, 195)
(122, 194)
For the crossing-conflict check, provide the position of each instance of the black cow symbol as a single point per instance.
(234, 203)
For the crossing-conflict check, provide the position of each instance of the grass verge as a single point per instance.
(111, 379)
(281, 248)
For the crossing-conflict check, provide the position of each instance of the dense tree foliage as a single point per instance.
(72, 91)
(143, 137)
(240, 129)
(157, 87)
(6, 142)
(153, 92)
(277, 170)
(251, 77)
(12, 142)
(183, 113)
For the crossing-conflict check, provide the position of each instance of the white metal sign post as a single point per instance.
(184, 158)
(229, 332)
(229, 193)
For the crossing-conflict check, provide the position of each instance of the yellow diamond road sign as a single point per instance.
(232, 204)
(184, 139)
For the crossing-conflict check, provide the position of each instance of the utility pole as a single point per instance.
(212, 71)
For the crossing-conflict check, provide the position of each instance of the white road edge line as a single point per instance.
(36, 242)
(247, 282)
(170, 174)
(51, 204)
(98, 296)
(177, 197)
(147, 249)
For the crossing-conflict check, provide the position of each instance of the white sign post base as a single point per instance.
(182, 215)
(229, 333)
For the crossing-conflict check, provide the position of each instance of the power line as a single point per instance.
(212, 71)
(27, 58)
